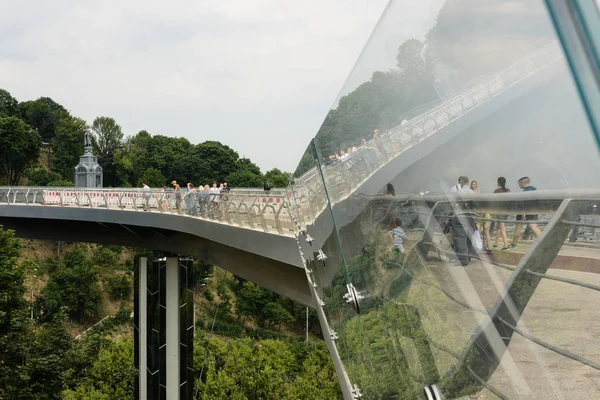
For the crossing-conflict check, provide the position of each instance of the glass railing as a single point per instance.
(429, 287)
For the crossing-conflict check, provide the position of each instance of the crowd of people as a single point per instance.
(482, 225)
(197, 200)
(372, 152)
(464, 228)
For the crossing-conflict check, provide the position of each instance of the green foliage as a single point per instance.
(276, 314)
(251, 300)
(9, 106)
(19, 148)
(145, 151)
(153, 178)
(208, 295)
(74, 285)
(202, 271)
(118, 286)
(269, 369)
(41, 177)
(228, 329)
(13, 311)
(243, 178)
(104, 256)
(110, 376)
(61, 183)
(277, 178)
(67, 145)
(107, 138)
(43, 115)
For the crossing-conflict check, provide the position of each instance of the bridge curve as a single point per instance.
(267, 258)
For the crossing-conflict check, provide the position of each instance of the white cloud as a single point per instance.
(257, 75)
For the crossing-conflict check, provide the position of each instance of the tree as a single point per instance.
(19, 147)
(41, 177)
(67, 146)
(153, 178)
(145, 151)
(411, 58)
(244, 179)
(276, 314)
(111, 376)
(73, 285)
(207, 162)
(250, 301)
(48, 361)
(245, 164)
(107, 139)
(276, 178)
(119, 287)
(43, 115)
(9, 106)
(13, 313)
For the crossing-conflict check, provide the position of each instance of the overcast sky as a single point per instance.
(257, 75)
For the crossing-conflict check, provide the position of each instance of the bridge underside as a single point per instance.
(266, 259)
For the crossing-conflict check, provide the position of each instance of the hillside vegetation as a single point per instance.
(66, 329)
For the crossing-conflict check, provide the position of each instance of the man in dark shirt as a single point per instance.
(526, 186)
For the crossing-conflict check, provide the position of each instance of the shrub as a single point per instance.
(119, 287)
(228, 329)
(104, 257)
(209, 295)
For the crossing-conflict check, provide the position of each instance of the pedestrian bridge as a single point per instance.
(250, 232)
(324, 242)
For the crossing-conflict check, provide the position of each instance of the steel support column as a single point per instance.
(163, 328)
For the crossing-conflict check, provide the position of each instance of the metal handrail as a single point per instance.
(346, 179)
(220, 207)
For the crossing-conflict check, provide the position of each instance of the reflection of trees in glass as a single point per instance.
(471, 40)
(388, 338)
(478, 38)
(380, 103)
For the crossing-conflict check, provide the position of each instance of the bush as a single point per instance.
(118, 250)
(209, 295)
(41, 177)
(228, 329)
(61, 183)
(129, 266)
(119, 287)
(262, 334)
(123, 316)
(74, 284)
(103, 256)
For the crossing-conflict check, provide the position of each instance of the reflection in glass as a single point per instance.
(414, 284)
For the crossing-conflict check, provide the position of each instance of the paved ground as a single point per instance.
(561, 314)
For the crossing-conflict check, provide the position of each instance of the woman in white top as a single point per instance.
(215, 195)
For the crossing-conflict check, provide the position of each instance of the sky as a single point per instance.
(257, 75)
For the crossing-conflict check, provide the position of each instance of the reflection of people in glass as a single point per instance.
(389, 190)
(484, 224)
(462, 187)
(501, 228)
(475, 187)
(398, 236)
(526, 186)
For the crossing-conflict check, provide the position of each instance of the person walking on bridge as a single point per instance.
(526, 186)
(177, 191)
(501, 228)
(147, 195)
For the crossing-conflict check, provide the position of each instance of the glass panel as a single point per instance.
(460, 284)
